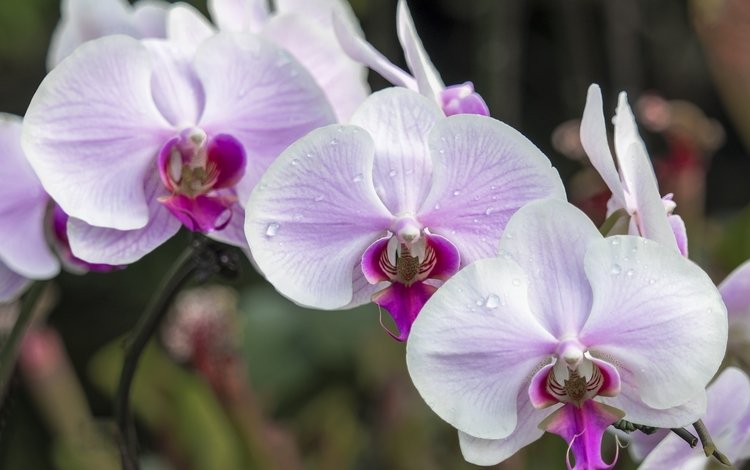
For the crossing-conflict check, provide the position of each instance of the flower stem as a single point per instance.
(709, 448)
(9, 352)
(686, 436)
(201, 260)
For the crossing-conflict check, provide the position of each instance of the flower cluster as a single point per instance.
(259, 130)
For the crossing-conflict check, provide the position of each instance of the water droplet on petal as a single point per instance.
(295, 162)
(437, 206)
(457, 193)
(309, 155)
(392, 173)
(516, 282)
(480, 302)
(492, 301)
(652, 281)
(630, 273)
(319, 198)
(488, 211)
(334, 142)
(298, 217)
(476, 221)
(358, 177)
(615, 241)
(508, 235)
(477, 197)
(616, 269)
(441, 151)
(272, 229)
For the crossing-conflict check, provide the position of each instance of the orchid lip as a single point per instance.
(198, 169)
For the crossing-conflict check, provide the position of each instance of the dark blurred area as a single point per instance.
(253, 381)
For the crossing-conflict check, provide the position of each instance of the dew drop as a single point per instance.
(516, 282)
(476, 221)
(437, 206)
(272, 229)
(616, 269)
(309, 155)
(480, 302)
(477, 197)
(488, 211)
(392, 173)
(358, 177)
(457, 193)
(615, 241)
(298, 217)
(441, 151)
(493, 187)
(319, 198)
(508, 235)
(652, 281)
(295, 162)
(334, 142)
(492, 301)
(630, 273)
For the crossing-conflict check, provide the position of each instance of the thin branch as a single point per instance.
(9, 352)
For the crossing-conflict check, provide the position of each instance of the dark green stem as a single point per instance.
(9, 352)
(686, 436)
(200, 261)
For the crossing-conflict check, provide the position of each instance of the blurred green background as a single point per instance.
(282, 386)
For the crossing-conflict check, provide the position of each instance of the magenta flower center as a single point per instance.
(405, 264)
(200, 172)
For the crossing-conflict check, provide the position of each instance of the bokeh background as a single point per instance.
(242, 378)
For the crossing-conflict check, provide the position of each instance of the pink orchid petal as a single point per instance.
(658, 317)
(735, 291)
(361, 51)
(493, 451)
(428, 79)
(120, 247)
(371, 261)
(315, 47)
(399, 122)
(314, 214)
(259, 95)
(680, 233)
(228, 155)
(233, 233)
(403, 304)
(187, 26)
(583, 428)
(84, 20)
(175, 87)
(92, 131)
(594, 141)
(727, 420)
(362, 289)
(62, 246)
(23, 208)
(470, 359)
(150, 18)
(483, 172)
(539, 397)
(12, 284)
(462, 99)
(320, 11)
(239, 15)
(448, 259)
(651, 218)
(611, 383)
(549, 239)
(201, 213)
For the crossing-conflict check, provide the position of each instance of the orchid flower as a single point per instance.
(302, 27)
(134, 139)
(634, 187)
(454, 99)
(392, 205)
(567, 332)
(735, 290)
(24, 253)
(727, 419)
(84, 20)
